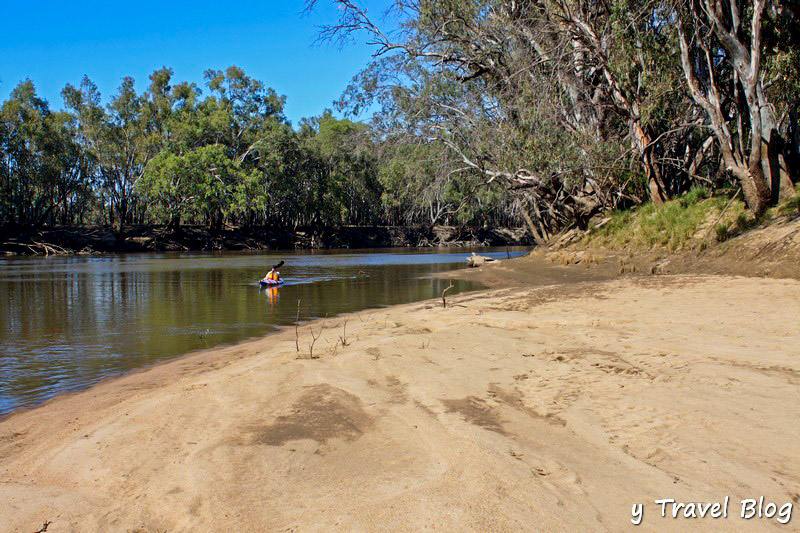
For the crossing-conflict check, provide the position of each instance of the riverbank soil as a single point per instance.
(551, 408)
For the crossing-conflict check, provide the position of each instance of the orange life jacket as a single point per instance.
(273, 275)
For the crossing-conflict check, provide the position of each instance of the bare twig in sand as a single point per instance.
(444, 301)
(424, 345)
(335, 346)
(343, 337)
(314, 338)
(296, 334)
(44, 527)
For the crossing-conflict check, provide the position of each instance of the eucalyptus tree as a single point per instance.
(342, 170)
(123, 151)
(24, 117)
(723, 51)
(537, 96)
(217, 155)
(71, 188)
(87, 117)
(43, 167)
(580, 105)
(190, 185)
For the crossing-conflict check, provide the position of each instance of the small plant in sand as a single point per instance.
(296, 332)
(343, 336)
(314, 338)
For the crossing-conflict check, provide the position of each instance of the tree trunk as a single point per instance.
(746, 167)
(538, 238)
(787, 188)
(773, 152)
(754, 186)
(774, 166)
(655, 185)
(175, 222)
(539, 217)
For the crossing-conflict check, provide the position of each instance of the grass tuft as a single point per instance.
(788, 206)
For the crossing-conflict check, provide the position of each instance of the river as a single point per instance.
(68, 322)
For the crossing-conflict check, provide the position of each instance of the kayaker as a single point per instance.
(273, 274)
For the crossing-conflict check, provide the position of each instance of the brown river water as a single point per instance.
(68, 322)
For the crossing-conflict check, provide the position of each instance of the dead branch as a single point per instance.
(50, 248)
(40, 248)
(444, 300)
(44, 527)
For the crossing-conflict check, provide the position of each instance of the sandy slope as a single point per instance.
(539, 409)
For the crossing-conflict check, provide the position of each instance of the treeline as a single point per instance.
(221, 155)
(580, 106)
(492, 112)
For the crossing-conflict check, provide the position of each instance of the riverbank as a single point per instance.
(768, 251)
(102, 239)
(551, 408)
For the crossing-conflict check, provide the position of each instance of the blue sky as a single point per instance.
(55, 43)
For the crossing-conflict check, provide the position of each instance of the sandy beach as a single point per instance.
(552, 408)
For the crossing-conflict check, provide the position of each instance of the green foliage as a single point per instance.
(781, 56)
(190, 185)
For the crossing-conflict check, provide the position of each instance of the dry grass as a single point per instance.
(566, 258)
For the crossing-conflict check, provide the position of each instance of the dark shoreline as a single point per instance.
(57, 240)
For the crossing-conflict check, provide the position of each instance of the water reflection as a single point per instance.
(66, 323)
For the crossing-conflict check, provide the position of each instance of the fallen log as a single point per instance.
(475, 261)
